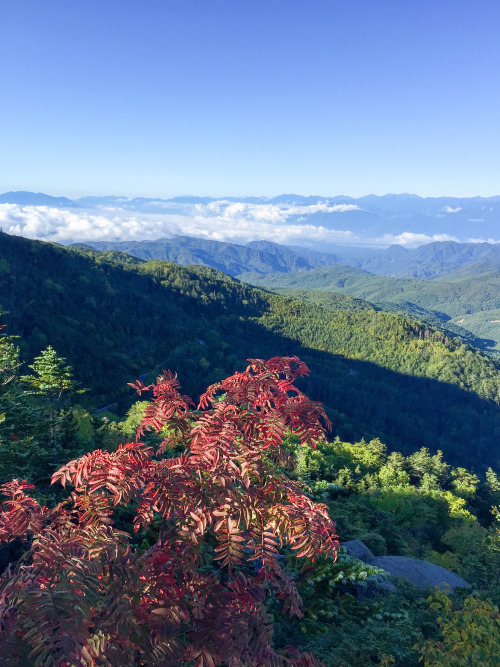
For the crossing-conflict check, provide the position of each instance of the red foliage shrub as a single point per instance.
(81, 596)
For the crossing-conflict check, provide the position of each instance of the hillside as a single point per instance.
(390, 511)
(259, 256)
(335, 301)
(484, 324)
(448, 298)
(453, 297)
(116, 318)
(431, 260)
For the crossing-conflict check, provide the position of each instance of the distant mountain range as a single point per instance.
(428, 261)
(23, 198)
(231, 258)
(462, 219)
(433, 259)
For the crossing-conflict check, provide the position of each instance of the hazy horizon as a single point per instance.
(317, 222)
(82, 194)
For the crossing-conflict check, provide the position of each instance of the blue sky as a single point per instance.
(260, 97)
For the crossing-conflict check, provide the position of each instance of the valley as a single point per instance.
(408, 467)
(413, 384)
(249, 334)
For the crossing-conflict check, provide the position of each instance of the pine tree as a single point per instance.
(52, 382)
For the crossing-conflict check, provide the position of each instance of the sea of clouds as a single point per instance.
(236, 222)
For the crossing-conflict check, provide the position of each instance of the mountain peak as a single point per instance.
(396, 250)
(25, 198)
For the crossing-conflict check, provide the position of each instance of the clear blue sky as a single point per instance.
(242, 97)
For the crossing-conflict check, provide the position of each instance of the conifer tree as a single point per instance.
(51, 382)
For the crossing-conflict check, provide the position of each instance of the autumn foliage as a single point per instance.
(221, 512)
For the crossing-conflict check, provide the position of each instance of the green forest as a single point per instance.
(116, 318)
(409, 467)
(463, 301)
(416, 506)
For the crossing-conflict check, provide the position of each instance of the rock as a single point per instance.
(357, 549)
(373, 589)
(384, 587)
(419, 572)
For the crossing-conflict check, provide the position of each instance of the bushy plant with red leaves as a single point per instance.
(81, 596)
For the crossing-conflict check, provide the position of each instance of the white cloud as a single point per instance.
(449, 209)
(63, 225)
(412, 240)
(490, 240)
(221, 221)
(236, 222)
(275, 213)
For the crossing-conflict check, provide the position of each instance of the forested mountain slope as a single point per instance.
(453, 296)
(115, 318)
(410, 509)
(232, 258)
(338, 301)
(432, 259)
(449, 297)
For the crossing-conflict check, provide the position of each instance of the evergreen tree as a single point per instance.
(52, 382)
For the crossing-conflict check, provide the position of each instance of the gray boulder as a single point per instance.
(357, 549)
(374, 588)
(419, 572)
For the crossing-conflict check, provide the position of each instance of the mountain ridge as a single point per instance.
(115, 318)
(428, 261)
(231, 258)
(26, 198)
